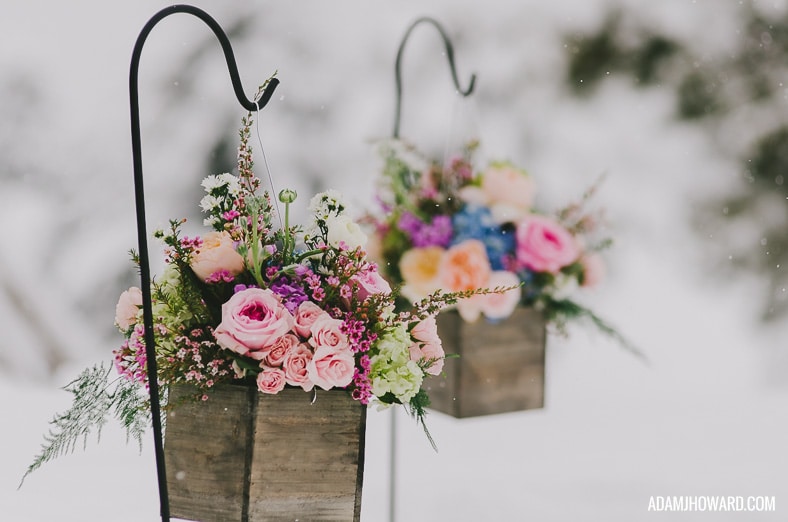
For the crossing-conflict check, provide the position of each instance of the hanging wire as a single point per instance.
(274, 195)
(449, 56)
(139, 196)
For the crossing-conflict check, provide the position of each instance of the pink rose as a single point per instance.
(501, 306)
(252, 321)
(471, 308)
(306, 314)
(278, 351)
(216, 253)
(271, 380)
(331, 368)
(426, 331)
(543, 245)
(295, 367)
(431, 353)
(465, 266)
(370, 282)
(428, 345)
(593, 269)
(508, 185)
(128, 307)
(327, 333)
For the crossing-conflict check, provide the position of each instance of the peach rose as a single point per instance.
(543, 245)
(306, 314)
(252, 321)
(327, 333)
(128, 307)
(295, 367)
(216, 253)
(271, 380)
(331, 368)
(420, 271)
(501, 306)
(465, 266)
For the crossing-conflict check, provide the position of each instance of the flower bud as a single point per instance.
(287, 195)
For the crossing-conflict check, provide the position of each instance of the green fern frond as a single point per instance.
(95, 399)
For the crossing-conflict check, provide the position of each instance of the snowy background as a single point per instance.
(707, 416)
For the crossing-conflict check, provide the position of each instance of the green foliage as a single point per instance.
(418, 409)
(594, 56)
(560, 311)
(713, 90)
(698, 96)
(95, 399)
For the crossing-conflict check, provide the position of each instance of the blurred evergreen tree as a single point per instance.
(712, 91)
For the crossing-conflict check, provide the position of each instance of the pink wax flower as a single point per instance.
(295, 367)
(128, 307)
(217, 253)
(252, 321)
(271, 380)
(331, 368)
(306, 314)
(543, 245)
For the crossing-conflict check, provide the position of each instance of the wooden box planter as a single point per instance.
(500, 368)
(244, 456)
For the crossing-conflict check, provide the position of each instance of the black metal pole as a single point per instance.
(397, 118)
(449, 56)
(139, 196)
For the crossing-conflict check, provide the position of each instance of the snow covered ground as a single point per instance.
(707, 416)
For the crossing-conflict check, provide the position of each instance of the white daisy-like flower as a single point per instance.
(212, 182)
(325, 204)
(209, 202)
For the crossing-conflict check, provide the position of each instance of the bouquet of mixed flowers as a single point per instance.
(269, 306)
(457, 228)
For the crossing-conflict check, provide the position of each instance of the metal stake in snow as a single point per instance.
(139, 196)
(397, 118)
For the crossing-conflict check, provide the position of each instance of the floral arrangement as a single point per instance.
(272, 307)
(456, 228)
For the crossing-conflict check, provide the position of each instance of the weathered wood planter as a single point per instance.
(500, 368)
(244, 456)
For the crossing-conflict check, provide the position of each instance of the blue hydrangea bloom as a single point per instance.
(476, 222)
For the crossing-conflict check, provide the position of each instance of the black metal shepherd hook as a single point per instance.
(139, 196)
(449, 56)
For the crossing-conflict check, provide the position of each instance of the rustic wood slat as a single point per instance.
(500, 368)
(243, 456)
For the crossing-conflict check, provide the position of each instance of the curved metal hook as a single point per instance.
(136, 145)
(449, 56)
